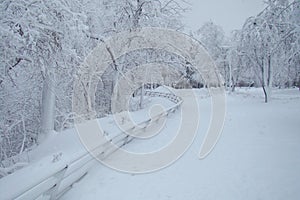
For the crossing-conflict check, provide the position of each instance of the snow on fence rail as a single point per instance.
(27, 184)
(170, 96)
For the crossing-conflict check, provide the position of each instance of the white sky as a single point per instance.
(230, 14)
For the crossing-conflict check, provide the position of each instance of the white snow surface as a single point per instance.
(257, 157)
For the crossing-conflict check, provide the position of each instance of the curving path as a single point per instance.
(258, 157)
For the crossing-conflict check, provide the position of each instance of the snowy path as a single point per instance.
(257, 157)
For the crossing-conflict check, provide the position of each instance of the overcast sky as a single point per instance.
(230, 14)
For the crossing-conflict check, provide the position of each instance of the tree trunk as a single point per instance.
(266, 72)
(142, 97)
(266, 94)
(270, 76)
(48, 108)
(233, 87)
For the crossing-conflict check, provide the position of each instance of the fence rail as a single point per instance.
(62, 178)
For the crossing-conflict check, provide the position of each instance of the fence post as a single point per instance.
(53, 191)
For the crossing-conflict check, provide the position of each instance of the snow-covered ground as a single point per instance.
(257, 157)
(65, 148)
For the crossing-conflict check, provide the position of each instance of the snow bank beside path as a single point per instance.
(62, 149)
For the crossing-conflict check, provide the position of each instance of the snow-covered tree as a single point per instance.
(128, 15)
(39, 45)
(42, 45)
(213, 38)
(270, 40)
